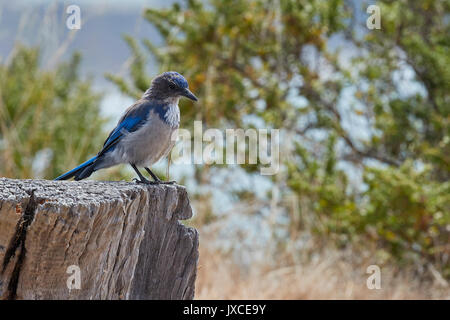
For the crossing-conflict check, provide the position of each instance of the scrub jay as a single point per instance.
(143, 134)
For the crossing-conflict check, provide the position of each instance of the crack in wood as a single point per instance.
(19, 241)
(76, 223)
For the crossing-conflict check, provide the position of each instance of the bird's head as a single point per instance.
(168, 85)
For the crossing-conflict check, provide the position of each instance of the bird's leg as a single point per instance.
(155, 177)
(141, 177)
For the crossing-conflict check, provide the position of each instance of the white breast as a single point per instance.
(172, 115)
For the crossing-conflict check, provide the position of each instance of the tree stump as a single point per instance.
(95, 240)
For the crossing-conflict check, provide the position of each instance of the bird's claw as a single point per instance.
(143, 181)
(153, 182)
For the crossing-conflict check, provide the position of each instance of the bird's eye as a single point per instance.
(172, 86)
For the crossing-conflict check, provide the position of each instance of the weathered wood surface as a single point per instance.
(125, 238)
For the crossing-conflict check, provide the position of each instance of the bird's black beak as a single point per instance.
(188, 94)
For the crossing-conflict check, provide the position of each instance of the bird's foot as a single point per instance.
(144, 181)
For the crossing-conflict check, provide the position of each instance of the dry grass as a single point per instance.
(326, 278)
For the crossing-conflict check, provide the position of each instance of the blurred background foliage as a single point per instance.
(364, 114)
(45, 115)
(274, 60)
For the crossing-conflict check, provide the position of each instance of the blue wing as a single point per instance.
(133, 119)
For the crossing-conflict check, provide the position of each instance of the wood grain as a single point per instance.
(125, 238)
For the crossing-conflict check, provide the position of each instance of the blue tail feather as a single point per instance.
(78, 170)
